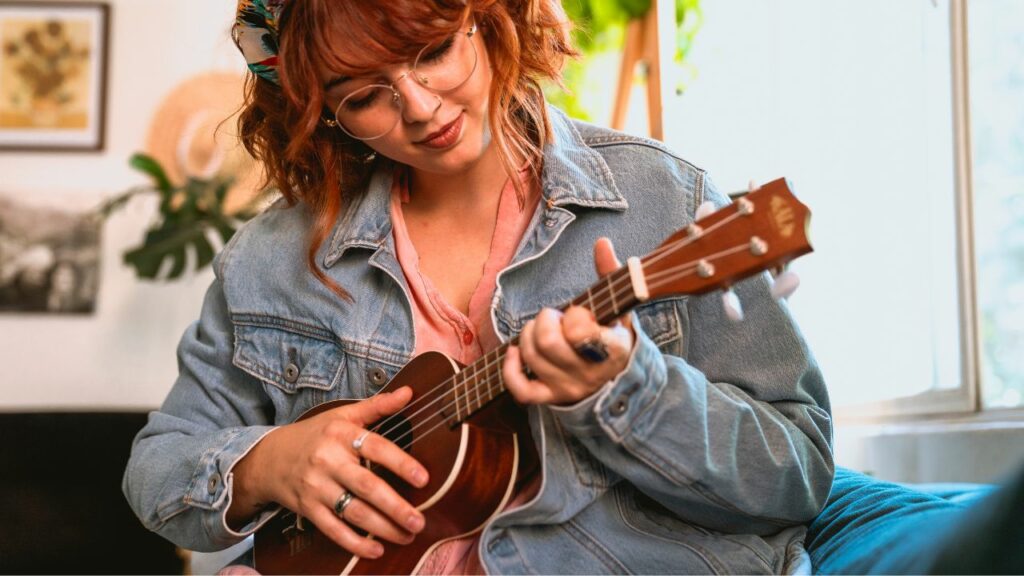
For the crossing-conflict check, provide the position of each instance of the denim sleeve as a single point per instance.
(178, 480)
(734, 433)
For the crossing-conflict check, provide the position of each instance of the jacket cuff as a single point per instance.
(613, 409)
(213, 481)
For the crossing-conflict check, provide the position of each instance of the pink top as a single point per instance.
(442, 327)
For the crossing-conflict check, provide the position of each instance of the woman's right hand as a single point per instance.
(307, 466)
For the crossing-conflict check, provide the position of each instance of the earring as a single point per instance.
(369, 157)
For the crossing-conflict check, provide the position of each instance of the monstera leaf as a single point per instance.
(189, 216)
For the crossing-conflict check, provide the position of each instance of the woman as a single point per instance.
(433, 201)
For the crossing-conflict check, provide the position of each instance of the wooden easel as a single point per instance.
(644, 45)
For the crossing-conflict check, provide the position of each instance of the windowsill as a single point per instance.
(980, 447)
(862, 416)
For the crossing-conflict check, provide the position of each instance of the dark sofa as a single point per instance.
(61, 502)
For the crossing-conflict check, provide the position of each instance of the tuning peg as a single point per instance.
(704, 210)
(731, 305)
(785, 284)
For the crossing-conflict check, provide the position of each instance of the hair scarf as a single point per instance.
(256, 34)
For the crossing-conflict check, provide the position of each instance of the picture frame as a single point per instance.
(53, 75)
(50, 256)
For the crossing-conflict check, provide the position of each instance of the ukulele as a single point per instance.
(473, 467)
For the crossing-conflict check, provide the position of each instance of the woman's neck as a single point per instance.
(479, 185)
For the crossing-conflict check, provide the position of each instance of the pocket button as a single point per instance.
(619, 407)
(291, 373)
(213, 483)
(377, 376)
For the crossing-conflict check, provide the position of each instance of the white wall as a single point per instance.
(123, 355)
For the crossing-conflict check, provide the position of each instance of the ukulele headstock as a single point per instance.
(760, 231)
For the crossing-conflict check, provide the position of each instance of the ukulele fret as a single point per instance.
(501, 376)
(457, 378)
(611, 292)
(476, 388)
(471, 383)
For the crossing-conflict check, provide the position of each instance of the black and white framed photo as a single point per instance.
(53, 75)
(49, 258)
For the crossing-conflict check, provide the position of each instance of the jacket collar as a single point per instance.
(574, 174)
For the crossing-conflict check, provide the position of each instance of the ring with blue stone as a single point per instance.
(592, 350)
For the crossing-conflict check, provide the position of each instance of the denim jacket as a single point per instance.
(705, 455)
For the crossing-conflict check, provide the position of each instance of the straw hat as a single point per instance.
(194, 133)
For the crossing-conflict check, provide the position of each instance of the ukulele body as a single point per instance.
(472, 474)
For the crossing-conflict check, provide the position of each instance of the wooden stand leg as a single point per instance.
(631, 54)
(652, 59)
(641, 46)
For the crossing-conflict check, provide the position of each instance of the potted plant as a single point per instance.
(189, 214)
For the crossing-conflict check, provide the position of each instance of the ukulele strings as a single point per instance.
(663, 251)
(673, 270)
(673, 273)
(652, 258)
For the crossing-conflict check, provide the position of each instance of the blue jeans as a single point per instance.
(874, 527)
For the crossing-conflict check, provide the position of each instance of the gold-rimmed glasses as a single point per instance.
(369, 111)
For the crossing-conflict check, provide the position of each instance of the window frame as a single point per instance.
(962, 404)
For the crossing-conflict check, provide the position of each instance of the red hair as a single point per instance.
(282, 126)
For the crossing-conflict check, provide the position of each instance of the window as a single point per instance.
(866, 108)
(996, 40)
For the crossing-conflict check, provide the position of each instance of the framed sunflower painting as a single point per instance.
(53, 59)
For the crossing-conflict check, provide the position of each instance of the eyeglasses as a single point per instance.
(371, 111)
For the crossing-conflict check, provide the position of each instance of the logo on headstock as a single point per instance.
(783, 216)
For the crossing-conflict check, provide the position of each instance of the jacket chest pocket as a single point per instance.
(663, 321)
(299, 370)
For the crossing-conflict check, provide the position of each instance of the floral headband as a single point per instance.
(256, 34)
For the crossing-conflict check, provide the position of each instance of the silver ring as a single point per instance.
(357, 444)
(342, 503)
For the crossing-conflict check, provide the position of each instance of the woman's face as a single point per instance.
(442, 133)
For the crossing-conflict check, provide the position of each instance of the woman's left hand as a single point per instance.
(549, 346)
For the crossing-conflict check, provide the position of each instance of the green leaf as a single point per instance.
(170, 241)
(117, 202)
(635, 8)
(187, 213)
(149, 165)
(223, 227)
(221, 192)
(178, 267)
(204, 252)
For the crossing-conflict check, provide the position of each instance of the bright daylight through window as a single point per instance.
(853, 102)
(997, 115)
